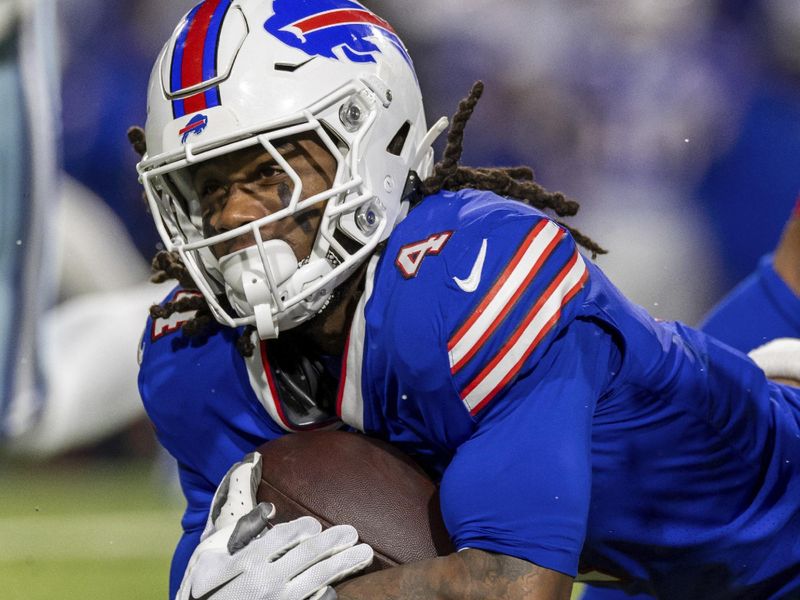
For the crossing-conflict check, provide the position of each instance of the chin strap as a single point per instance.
(266, 325)
(412, 192)
(426, 143)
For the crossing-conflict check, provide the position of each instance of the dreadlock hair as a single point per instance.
(137, 140)
(513, 182)
(168, 265)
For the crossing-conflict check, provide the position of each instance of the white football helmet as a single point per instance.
(237, 73)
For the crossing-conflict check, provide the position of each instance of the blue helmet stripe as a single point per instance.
(212, 40)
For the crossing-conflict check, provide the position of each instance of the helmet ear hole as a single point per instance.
(398, 142)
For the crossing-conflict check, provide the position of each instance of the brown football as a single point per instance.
(348, 478)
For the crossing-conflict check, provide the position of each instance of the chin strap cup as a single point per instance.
(257, 289)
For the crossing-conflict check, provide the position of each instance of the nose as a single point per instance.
(241, 206)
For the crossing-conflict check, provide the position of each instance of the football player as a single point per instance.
(329, 271)
(28, 183)
(771, 293)
(48, 404)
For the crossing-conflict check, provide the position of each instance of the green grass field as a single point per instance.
(85, 531)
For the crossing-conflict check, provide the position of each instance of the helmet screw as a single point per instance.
(351, 116)
(367, 219)
(388, 184)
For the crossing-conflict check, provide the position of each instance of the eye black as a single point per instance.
(210, 188)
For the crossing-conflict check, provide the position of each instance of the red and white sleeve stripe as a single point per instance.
(536, 324)
(501, 298)
(533, 254)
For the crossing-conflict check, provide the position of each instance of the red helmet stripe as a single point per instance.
(193, 50)
(341, 16)
(195, 56)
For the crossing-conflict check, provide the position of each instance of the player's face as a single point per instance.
(243, 186)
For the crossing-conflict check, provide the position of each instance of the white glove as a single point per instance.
(240, 557)
(779, 358)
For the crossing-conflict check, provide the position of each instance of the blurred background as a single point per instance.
(675, 124)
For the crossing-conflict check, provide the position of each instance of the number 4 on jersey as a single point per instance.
(409, 258)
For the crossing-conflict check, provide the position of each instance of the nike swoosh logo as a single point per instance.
(291, 68)
(470, 284)
(210, 593)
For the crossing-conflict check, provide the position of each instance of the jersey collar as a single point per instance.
(350, 400)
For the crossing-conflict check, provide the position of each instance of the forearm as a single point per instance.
(467, 575)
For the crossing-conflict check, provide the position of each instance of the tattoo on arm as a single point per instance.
(467, 575)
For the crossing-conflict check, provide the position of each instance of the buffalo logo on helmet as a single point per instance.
(323, 27)
(195, 126)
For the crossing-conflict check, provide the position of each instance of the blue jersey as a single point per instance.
(761, 308)
(568, 427)
(205, 411)
(572, 429)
